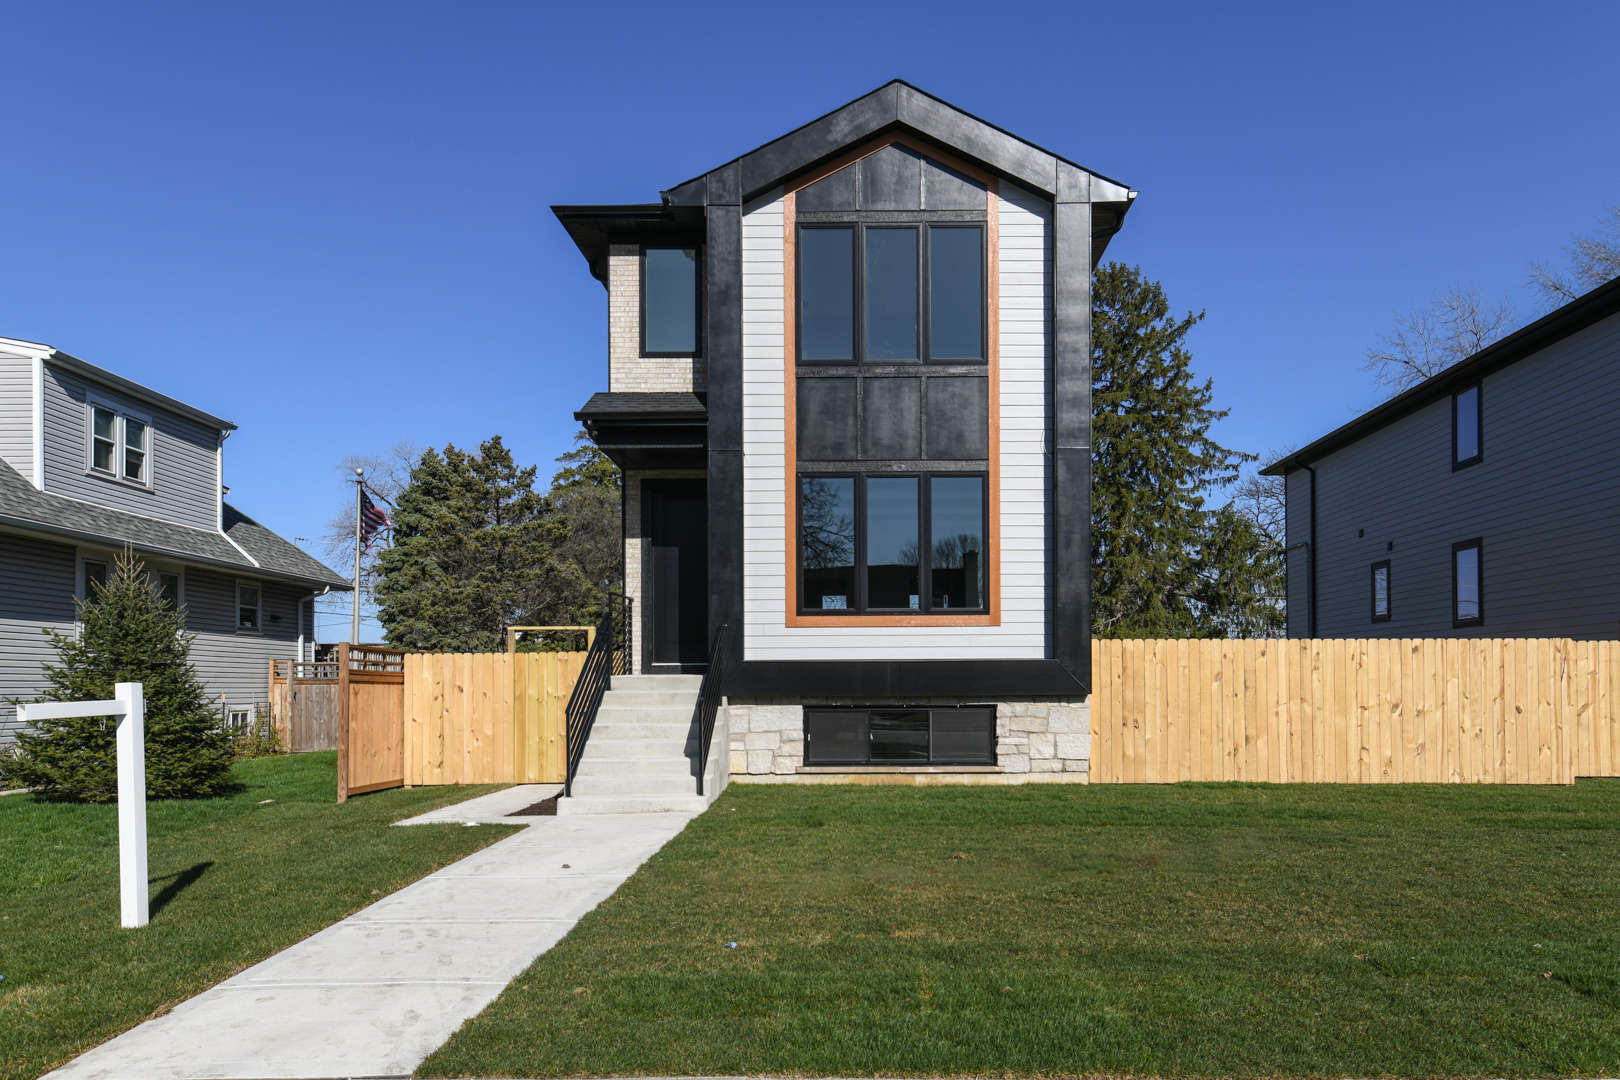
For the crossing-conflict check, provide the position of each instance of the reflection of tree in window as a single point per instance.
(827, 539)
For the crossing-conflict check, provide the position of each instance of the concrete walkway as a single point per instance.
(373, 995)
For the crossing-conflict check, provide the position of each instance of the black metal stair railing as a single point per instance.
(608, 655)
(708, 705)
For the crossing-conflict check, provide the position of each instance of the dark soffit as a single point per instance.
(594, 228)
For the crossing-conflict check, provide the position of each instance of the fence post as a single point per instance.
(131, 746)
(343, 722)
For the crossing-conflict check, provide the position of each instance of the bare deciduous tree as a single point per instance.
(1263, 500)
(1593, 260)
(1425, 341)
(387, 475)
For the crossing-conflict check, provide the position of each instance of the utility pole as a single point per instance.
(354, 623)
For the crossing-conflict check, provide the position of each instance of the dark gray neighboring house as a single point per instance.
(90, 462)
(1484, 502)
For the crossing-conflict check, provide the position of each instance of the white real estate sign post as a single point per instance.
(130, 707)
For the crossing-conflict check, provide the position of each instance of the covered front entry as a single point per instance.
(675, 576)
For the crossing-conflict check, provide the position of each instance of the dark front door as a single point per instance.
(678, 592)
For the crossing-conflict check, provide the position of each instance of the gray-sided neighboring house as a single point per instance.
(91, 462)
(1483, 502)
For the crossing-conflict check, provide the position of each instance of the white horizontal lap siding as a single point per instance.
(17, 412)
(183, 457)
(1025, 312)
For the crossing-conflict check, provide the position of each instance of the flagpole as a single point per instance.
(354, 623)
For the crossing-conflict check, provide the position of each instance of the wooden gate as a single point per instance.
(304, 704)
(371, 700)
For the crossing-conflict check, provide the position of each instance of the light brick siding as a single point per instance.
(1035, 741)
(628, 370)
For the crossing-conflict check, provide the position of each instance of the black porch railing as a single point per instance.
(708, 705)
(609, 655)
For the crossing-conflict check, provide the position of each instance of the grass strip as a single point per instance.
(233, 879)
(1193, 930)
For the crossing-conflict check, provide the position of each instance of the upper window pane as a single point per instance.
(891, 294)
(956, 521)
(671, 300)
(892, 556)
(1467, 570)
(827, 522)
(1467, 425)
(827, 294)
(955, 294)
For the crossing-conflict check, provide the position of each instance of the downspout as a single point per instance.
(308, 599)
(1310, 556)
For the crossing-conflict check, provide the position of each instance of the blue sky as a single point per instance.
(329, 222)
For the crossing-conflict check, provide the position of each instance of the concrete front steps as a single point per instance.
(641, 757)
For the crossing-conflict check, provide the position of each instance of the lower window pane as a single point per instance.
(892, 558)
(965, 736)
(827, 529)
(1467, 583)
(956, 512)
(899, 736)
(834, 736)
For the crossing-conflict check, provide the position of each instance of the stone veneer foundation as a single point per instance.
(1044, 741)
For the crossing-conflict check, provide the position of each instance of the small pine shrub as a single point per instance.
(259, 738)
(127, 634)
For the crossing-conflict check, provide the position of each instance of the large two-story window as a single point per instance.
(891, 294)
(119, 444)
(888, 543)
(670, 301)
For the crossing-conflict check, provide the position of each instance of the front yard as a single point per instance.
(234, 880)
(1211, 930)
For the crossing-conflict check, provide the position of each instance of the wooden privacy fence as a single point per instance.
(409, 719)
(304, 704)
(487, 718)
(1386, 710)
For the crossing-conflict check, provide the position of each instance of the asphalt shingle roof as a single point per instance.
(24, 506)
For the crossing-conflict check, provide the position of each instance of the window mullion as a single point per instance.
(925, 303)
(925, 545)
(858, 253)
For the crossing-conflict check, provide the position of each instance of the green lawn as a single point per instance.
(234, 880)
(1209, 930)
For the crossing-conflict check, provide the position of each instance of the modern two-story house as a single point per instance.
(91, 463)
(848, 380)
(1483, 502)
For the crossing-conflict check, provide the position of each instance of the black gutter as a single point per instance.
(1550, 329)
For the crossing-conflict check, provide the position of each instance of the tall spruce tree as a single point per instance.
(1152, 460)
(586, 497)
(126, 634)
(473, 552)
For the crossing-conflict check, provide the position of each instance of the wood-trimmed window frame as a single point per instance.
(641, 289)
(793, 615)
(925, 570)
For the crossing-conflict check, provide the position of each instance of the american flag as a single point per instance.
(372, 519)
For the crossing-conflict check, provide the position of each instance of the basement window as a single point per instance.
(866, 736)
(669, 301)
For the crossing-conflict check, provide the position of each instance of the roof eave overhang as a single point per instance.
(1573, 317)
(594, 228)
(136, 390)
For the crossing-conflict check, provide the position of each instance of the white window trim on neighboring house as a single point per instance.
(258, 627)
(121, 415)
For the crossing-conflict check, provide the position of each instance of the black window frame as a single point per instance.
(868, 760)
(1478, 544)
(641, 286)
(1479, 426)
(1389, 599)
(924, 292)
(925, 600)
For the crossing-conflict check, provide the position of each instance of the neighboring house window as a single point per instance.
(884, 543)
(1468, 583)
(120, 444)
(168, 589)
(889, 294)
(95, 578)
(1380, 591)
(954, 736)
(247, 606)
(1467, 417)
(669, 301)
